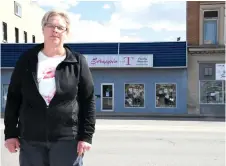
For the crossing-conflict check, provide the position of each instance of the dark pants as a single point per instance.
(61, 153)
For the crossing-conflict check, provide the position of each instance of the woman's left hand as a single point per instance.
(83, 147)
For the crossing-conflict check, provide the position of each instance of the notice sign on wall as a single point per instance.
(107, 61)
(220, 72)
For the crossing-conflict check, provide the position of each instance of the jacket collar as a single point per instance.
(70, 57)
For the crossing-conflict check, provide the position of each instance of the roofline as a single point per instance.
(106, 42)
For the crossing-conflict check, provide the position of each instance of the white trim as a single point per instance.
(113, 97)
(176, 95)
(7, 67)
(211, 103)
(144, 96)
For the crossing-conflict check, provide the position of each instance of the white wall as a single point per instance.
(29, 22)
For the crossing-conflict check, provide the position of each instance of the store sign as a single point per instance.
(220, 72)
(106, 61)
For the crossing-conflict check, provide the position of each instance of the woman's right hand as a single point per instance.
(12, 144)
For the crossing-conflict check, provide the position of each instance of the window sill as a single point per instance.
(18, 15)
(211, 45)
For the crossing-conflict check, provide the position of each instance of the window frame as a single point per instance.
(176, 95)
(125, 96)
(19, 13)
(113, 97)
(223, 87)
(210, 19)
(212, 7)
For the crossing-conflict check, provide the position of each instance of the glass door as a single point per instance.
(107, 97)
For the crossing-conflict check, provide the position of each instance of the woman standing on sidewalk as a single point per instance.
(50, 109)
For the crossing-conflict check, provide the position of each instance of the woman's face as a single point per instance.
(55, 30)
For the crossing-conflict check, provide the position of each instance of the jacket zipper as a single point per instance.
(47, 106)
(36, 83)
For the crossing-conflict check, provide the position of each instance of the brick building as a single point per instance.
(206, 57)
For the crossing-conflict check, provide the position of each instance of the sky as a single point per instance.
(123, 20)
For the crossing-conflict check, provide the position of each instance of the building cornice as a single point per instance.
(211, 2)
(206, 50)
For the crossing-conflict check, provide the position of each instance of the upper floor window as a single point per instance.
(4, 29)
(16, 35)
(210, 27)
(33, 38)
(25, 37)
(17, 9)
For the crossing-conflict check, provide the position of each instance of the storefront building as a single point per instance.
(206, 39)
(206, 81)
(130, 78)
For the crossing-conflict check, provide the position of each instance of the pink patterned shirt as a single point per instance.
(46, 75)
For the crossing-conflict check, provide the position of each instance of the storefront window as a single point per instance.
(134, 95)
(4, 94)
(212, 92)
(165, 95)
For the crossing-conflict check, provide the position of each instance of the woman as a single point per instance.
(50, 109)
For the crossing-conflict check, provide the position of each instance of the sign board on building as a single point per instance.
(120, 61)
(220, 71)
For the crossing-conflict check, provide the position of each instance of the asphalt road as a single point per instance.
(151, 143)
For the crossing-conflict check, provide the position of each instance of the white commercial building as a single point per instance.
(20, 21)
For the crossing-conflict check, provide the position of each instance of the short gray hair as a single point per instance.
(56, 13)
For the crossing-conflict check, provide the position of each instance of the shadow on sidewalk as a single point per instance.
(169, 117)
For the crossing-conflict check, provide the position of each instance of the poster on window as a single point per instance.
(165, 95)
(220, 72)
(134, 95)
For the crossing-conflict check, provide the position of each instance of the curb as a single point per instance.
(140, 116)
(150, 116)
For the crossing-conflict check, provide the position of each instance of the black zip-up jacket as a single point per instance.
(71, 112)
